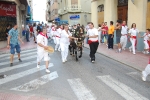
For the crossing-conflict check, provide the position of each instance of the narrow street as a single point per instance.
(105, 79)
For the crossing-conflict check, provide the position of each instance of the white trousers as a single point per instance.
(41, 55)
(54, 38)
(146, 45)
(64, 51)
(123, 41)
(146, 72)
(57, 46)
(132, 44)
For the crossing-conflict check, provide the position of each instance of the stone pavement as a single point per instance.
(26, 45)
(138, 61)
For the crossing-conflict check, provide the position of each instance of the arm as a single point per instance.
(41, 45)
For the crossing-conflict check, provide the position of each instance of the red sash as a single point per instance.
(58, 36)
(89, 41)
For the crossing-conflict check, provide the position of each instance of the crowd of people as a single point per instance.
(62, 35)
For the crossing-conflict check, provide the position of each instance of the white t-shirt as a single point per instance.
(59, 31)
(65, 37)
(133, 31)
(34, 29)
(124, 30)
(43, 40)
(146, 37)
(92, 32)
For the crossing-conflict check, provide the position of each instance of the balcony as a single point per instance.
(74, 8)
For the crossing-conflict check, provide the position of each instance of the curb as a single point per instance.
(118, 61)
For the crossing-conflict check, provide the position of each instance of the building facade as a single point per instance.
(132, 11)
(52, 10)
(12, 11)
(75, 11)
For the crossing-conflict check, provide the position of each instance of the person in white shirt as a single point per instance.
(42, 45)
(133, 32)
(35, 32)
(99, 33)
(53, 32)
(58, 35)
(64, 42)
(92, 34)
(146, 37)
(124, 32)
(146, 72)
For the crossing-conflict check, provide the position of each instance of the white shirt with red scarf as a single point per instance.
(124, 30)
(58, 33)
(133, 32)
(93, 32)
(42, 38)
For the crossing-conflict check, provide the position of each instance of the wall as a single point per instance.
(137, 13)
(148, 16)
(110, 10)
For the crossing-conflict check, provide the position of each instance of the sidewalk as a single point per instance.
(26, 45)
(138, 61)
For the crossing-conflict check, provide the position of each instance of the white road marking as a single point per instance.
(80, 90)
(22, 55)
(17, 66)
(26, 58)
(123, 90)
(35, 84)
(24, 51)
(22, 74)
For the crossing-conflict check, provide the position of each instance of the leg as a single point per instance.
(46, 59)
(12, 51)
(92, 51)
(109, 40)
(18, 50)
(80, 52)
(133, 45)
(62, 52)
(76, 54)
(146, 72)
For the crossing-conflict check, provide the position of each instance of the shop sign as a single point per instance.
(7, 10)
(72, 17)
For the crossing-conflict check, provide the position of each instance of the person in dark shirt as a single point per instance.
(38, 28)
(7, 30)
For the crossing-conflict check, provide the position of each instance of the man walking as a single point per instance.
(93, 40)
(124, 32)
(27, 32)
(13, 43)
(110, 35)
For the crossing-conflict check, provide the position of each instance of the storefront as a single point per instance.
(7, 16)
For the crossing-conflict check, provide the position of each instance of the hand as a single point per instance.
(22, 42)
(8, 46)
(45, 47)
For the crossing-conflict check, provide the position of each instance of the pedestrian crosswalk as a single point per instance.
(77, 85)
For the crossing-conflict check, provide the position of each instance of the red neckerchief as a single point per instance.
(61, 28)
(45, 35)
(123, 25)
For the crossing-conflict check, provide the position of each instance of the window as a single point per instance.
(122, 2)
(73, 2)
(100, 8)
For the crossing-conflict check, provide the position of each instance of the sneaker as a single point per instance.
(47, 71)
(20, 60)
(63, 61)
(93, 61)
(11, 64)
(38, 66)
(134, 53)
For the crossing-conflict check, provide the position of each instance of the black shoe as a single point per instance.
(35, 42)
(20, 60)
(11, 64)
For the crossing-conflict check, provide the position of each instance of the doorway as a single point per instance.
(123, 10)
(100, 14)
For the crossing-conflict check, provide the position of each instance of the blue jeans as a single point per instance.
(106, 37)
(13, 47)
(27, 36)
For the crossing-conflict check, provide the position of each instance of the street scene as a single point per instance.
(64, 50)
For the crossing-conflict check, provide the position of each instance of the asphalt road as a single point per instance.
(105, 79)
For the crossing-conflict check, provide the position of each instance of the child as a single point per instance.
(146, 72)
(146, 37)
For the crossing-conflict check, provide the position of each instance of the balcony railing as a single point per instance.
(74, 8)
